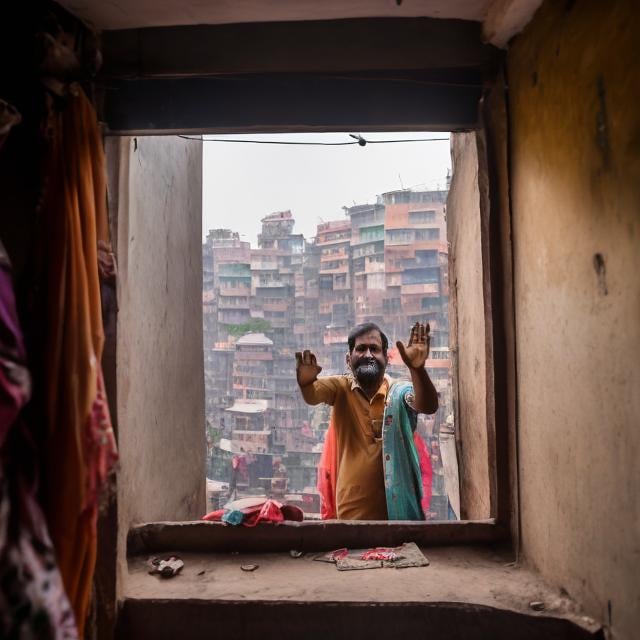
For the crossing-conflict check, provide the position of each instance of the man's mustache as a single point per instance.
(369, 362)
(369, 368)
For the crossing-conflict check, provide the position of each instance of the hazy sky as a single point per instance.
(242, 183)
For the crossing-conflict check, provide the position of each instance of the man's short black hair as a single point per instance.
(363, 328)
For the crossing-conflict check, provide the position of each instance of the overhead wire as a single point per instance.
(358, 141)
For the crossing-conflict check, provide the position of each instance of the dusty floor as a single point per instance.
(455, 575)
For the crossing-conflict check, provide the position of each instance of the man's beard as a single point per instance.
(367, 372)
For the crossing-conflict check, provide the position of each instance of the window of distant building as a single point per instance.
(422, 217)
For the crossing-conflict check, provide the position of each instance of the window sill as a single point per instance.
(199, 536)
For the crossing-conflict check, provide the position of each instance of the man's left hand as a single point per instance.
(415, 354)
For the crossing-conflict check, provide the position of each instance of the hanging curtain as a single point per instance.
(79, 442)
(33, 602)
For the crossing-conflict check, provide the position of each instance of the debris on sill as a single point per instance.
(537, 605)
(406, 555)
(249, 567)
(250, 511)
(165, 568)
(295, 554)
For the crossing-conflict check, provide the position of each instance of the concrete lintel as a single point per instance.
(323, 46)
(282, 102)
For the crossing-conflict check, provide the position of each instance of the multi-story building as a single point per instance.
(227, 283)
(253, 368)
(308, 325)
(367, 256)
(275, 266)
(225, 302)
(416, 272)
(289, 409)
(335, 309)
(278, 297)
(415, 243)
(218, 377)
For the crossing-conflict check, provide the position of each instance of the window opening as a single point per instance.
(288, 265)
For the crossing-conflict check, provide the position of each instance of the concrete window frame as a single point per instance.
(161, 105)
(500, 525)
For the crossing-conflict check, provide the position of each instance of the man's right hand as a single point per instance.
(307, 368)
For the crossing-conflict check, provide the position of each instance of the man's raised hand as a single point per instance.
(415, 354)
(307, 368)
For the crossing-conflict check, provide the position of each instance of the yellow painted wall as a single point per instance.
(574, 98)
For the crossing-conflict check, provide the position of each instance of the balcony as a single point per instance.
(367, 246)
(229, 304)
(339, 254)
(240, 290)
(276, 306)
(427, 288)
(344, 268)
(229, 316)
(264, 265)
(333, 239)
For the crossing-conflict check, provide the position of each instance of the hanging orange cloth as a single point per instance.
(328, 474)
(80, 447)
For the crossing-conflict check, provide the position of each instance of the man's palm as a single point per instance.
(415, 354)
(307, 368)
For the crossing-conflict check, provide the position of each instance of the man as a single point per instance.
(377, 466)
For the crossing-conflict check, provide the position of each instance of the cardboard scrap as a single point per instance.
(406, 555)
(355, 564)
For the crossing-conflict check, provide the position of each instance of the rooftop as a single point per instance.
(254, 338)
(249, 406)
(278, 215)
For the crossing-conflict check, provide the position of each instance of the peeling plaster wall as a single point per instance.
(468, 336)
(574, 76)
(159, 349)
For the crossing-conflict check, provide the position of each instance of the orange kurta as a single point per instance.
(360, 493)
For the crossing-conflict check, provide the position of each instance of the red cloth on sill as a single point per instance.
(328, 473)
(267, 511)
(214, 516)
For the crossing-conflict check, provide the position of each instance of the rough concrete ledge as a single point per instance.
(201, 620)
(464, 593)
(307, 535)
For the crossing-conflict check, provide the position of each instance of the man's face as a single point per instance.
(367, 361)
